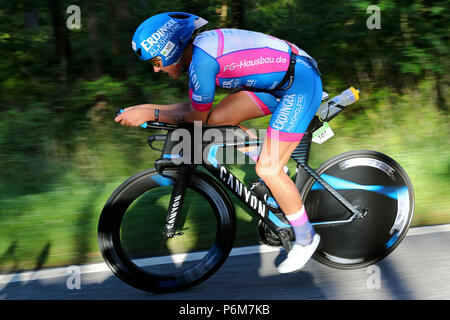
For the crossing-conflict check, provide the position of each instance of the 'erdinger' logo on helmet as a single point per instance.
(160, 37)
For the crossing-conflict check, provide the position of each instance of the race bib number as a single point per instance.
(322, 134)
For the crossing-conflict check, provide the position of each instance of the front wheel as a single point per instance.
(368, 180)
(132, 238)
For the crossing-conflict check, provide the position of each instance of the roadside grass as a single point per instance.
(58, 226)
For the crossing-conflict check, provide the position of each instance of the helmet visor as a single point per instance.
(156, 61)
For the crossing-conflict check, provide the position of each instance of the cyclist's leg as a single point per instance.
(270, 167)
(285, 131)
(289, 121)
(287, 126)
(242, 106)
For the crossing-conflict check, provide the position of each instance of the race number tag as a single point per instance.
(322, 134)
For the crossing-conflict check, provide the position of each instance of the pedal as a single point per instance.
(174, 235)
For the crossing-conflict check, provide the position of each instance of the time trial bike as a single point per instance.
(171, 227)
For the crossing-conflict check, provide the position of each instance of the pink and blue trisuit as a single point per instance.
(251, 61)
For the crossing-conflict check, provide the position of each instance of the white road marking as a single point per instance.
(177, 259)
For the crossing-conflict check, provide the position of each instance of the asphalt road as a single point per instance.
(419, 269)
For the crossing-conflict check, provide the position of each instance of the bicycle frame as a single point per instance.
(257, 206)
(194, 166)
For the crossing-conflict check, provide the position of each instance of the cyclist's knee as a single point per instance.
(267, 171)
(217, 117)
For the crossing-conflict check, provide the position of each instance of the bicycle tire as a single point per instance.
(124, 250)
(368, 179)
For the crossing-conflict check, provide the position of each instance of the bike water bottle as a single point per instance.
(336, 104)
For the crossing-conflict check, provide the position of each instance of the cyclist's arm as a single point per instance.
(174, 106)
(196, 115)
(182, 112)
(202, 80)
(185, 112)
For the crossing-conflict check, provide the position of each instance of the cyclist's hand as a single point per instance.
(132, 108)
(134, 117)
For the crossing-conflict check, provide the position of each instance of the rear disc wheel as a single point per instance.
(368, 180)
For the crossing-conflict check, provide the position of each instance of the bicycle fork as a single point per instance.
(176, 201)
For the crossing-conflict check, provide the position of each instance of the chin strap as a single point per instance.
(177, 63)
(180, 67)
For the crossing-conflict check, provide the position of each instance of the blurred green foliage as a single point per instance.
(61, 154)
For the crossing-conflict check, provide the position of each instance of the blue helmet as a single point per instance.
(165, 35)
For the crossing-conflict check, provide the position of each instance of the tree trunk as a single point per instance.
(62, 44)
(31, 19)
(31, 14)
(121, 38)
(237, 13)
(96, 66)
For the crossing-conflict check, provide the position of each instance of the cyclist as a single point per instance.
(274, 77)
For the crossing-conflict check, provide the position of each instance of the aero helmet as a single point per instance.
(165, 35)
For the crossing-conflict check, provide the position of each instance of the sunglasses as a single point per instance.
(156, 61)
